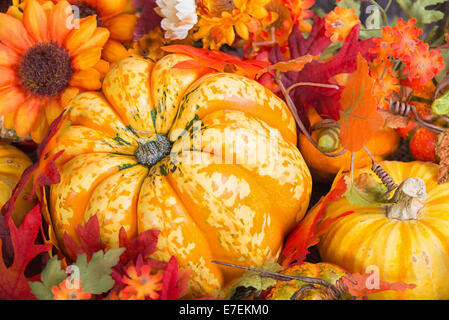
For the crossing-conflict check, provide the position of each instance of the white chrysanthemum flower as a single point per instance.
(179, 17)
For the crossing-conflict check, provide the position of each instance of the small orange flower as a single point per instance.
(339, 23)
(45, 61)
(384, 43)
(299, 12)
(424, 64)
(386, 81)
(407, 38)
(221, 20)
(402, 42)
(68, 291)
(143, 284)
(282, 16)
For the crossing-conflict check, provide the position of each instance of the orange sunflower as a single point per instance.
(45, 61)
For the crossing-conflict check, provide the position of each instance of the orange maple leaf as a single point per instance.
(216, 61)
(359, 116)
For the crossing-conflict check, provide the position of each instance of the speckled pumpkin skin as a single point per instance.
(205, 210)
(285, 290)
(12, 164)
(412, 251)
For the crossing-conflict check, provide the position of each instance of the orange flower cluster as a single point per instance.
(339, 23)
(70, 291)
(141, 284)
(402, 42)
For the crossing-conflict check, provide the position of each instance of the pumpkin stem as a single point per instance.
(407, 200)
(153, 149)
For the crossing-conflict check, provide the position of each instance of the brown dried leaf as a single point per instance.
(442, 152)
(393, 120)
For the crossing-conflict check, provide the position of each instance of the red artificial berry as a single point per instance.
(422, 145)
(407, 132)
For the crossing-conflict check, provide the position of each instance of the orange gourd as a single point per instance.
(404, 240)
(208, 159)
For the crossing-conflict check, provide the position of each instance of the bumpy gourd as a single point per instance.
(405, 240)
(210, 160)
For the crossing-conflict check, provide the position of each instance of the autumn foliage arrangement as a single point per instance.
(102, 96)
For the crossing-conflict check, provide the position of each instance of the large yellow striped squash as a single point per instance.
(407, 240)
(210, 160)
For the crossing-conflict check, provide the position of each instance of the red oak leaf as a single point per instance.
(174, 282)
(144, 244)
(311, 227)
(324, 100)
(137, 253)
(361, 285)
(13, 282)
(214, 60)
(89, 240)
(148, 19)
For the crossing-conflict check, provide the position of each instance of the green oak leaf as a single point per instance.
(419, 9)
(51, 276)
(95, 275)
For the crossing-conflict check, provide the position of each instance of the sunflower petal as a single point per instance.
(61, 22)
(8, 77)
(13, 34)
(114, 51)
(68, 95)
(8, 57)
(26, 116)
(88, 79)
(87, 58)
(122, 27)
(10, 99)
(108, 8)
(53, 109)
(8, 120)
(98, 39)
(77, 37)
(35, 20)
(102, 66)
(40, 129)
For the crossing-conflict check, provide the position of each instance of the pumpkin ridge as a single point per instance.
(131, 216)
(100, 178)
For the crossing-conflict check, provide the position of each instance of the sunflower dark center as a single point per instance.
(46, 69)
(84, 10)
(4, 5)
(152, 150)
